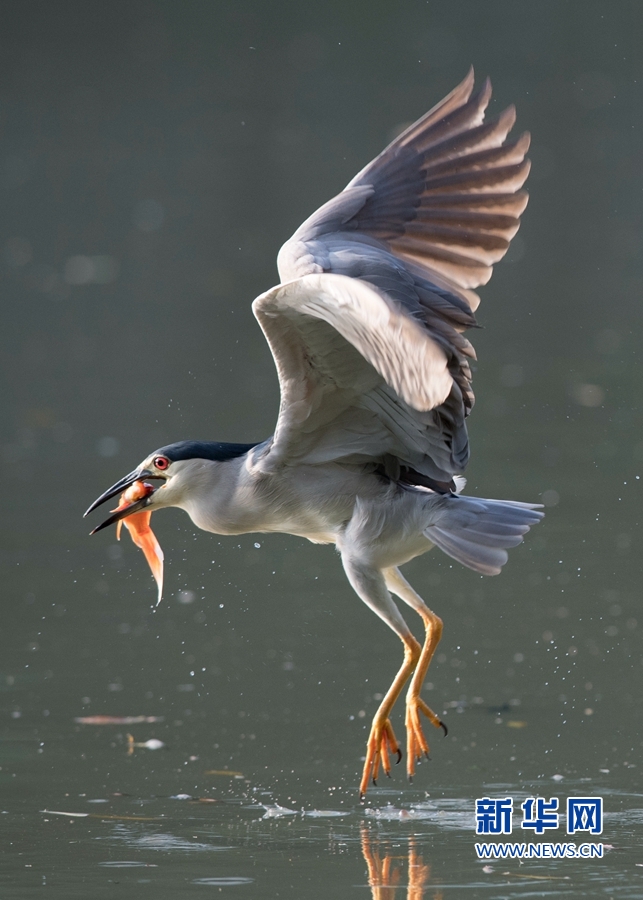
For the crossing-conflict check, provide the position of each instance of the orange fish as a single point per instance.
(138, 525)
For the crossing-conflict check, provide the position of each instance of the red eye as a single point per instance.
(161, 463)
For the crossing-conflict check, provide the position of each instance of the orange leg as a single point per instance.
(417, 744)
(382, 739)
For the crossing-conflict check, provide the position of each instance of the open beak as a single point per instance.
(118, 488)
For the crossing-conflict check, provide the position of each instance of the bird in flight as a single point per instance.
(366, 329)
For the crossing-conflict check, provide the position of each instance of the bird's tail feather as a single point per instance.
(478, 532)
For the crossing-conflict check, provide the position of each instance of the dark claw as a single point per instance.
(362, 797)
(444, 728)
(399, 757)
(426, 755)
(410, 779)
(388, 774)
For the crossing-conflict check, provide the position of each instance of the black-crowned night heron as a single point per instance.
(366, 331)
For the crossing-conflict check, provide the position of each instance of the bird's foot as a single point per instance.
(381, 745)
(417, 744)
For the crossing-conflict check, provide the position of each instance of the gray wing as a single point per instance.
(423, 224)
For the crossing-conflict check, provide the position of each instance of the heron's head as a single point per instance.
(178, 472)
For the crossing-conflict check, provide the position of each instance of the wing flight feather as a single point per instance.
(379, 283)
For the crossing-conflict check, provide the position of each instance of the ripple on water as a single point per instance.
(127, 864)
(324, 813)
(448, 813)
(279, 812)
(160, 840)
(222, 882)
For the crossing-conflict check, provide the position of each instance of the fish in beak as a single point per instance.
(118, 488)
(132, 513)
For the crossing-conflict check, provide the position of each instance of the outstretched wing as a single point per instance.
(422, 224)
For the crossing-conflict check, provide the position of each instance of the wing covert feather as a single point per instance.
(389, 343)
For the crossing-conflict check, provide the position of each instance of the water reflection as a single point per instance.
(386, 865)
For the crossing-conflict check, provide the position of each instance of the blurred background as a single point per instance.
(153, 158)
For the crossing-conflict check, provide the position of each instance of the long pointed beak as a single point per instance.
(119, 487)
(137, 506)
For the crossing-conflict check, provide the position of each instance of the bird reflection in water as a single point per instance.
(385, 870)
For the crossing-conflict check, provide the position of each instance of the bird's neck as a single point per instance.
(222, 496)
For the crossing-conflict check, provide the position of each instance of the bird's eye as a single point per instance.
(162, 463)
